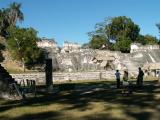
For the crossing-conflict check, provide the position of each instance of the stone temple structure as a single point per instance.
(47, 43)
(72, 58)
(70, 47)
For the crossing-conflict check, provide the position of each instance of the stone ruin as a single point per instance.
(88, 60)
(72, 58)
(7, 84)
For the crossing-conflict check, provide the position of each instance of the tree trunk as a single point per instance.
(23, 62)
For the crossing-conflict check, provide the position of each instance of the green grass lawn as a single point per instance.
(87, 101)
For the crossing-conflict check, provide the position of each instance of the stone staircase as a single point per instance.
(130, 65)
(6, 81)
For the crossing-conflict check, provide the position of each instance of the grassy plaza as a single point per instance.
(87, 101)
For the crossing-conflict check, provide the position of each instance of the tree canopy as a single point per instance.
(14, 13)
(122, 27)
(22, 44)
(98, 41)
(9, 17)
(118, 32)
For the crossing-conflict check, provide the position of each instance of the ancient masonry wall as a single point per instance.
(67, 76)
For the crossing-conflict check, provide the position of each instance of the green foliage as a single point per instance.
(9, 17)
(147, 40)
(140, 39)
(14, 13)
(99, 37)
(22, 44)
(123, 31)
(123, 45)
(122, 26)
(97, 42)
(118, 33)
(3, 22)
(150, 39)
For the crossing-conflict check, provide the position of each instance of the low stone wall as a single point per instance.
(67, 76)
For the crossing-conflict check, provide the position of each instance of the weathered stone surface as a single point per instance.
(66, 76)
(5, 81)
(83, 60)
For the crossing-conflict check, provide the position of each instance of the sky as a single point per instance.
(71, 20)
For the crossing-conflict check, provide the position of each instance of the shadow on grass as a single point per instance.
(141, 115)
(85, 93)
(38, 116)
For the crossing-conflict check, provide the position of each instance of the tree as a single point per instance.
(97, 42)
(98, 38)
(21, 42)
(2, 47)
(141, 40)
(116, 31)
(122, 26)
(123, 32)
(123, 45)
(3, 22)
(14, 13)
(149, 39)
(9, 17)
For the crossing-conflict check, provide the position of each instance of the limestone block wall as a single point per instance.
(135, 47)
(67, 76)
(39, 77)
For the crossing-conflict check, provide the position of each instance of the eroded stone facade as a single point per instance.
(72, 58)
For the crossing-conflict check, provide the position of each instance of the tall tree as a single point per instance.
(9, 17)
(3, 22)
(116, 31)
(123, 31)
(99, 36)
(22, 45)
(14, 13)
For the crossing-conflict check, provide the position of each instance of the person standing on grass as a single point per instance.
(140, 77)
(117, 74)
(125, 76)
(125, 83)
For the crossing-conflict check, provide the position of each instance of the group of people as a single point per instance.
(126, 80)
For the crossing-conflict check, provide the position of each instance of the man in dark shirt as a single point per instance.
(140, 77)
(117, 74)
